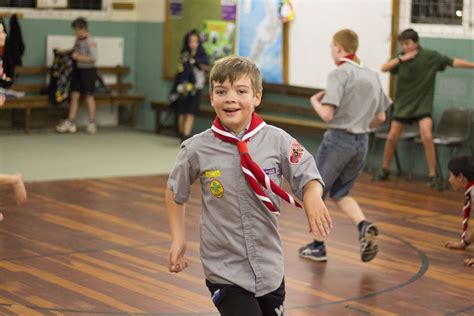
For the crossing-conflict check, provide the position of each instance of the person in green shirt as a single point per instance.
(416, 70)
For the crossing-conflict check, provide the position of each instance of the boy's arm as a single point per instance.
(83, 58)
(64, 51)
(16, 181)
(325, 111)
(378, 119)
(176, 212)
(461, 245)
(318, 216)
(392, 63)
(461, 63)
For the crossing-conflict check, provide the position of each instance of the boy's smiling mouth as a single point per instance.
(231, 110)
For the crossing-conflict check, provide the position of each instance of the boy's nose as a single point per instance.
(230, 98)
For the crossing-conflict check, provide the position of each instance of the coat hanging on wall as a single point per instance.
(14, 48)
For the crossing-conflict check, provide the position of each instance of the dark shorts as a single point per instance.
(340, 159)
(189, 104)
(411, 120)
(233, 300)
(83, 80)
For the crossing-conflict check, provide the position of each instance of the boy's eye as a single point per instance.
(242, 91)
(219, 92)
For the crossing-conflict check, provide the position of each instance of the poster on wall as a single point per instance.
(218, 39)
(261, 37)
(229, 10)
(176, 9)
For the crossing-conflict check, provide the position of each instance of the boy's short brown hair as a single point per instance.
(232, 68)
(79, 23)
(348, 39)
(408, 34)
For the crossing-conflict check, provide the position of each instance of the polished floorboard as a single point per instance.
(100, 247)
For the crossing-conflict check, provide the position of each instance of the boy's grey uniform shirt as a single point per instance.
(357, 94)
(240, 241)
(86, 47)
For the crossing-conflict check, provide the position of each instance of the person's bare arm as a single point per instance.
(460, 245)
(378, 119)
(461, 63)
(16, 182)
(392, 63)
(317, 214)
(82, 58)
(325, 111)
(176, 212)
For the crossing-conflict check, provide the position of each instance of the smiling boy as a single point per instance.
(240, 162)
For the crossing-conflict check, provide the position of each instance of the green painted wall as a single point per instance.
(144, 54)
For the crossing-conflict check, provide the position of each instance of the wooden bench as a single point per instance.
(35, 100)
(289, 117)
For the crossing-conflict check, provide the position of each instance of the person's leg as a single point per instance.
(272, 304)
(181, 123)
(232, 300)
(188, 125)
(332, 155)
(396, 129)
(91, 107)
(426, 134)
(341, 195)
(74, 105)
(69, 126)
(90, 100)
(351, 208)
(192, 110)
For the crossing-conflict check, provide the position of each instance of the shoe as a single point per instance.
(91, 129)
(66, 126)
(312, 252)
(435, 183)
(381, 175)
(368, 241)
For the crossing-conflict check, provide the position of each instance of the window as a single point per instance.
(448, 12)
(18, 3)
(71, 4)
(85, 4)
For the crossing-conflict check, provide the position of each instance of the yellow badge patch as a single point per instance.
(213, 173)
(216, 188)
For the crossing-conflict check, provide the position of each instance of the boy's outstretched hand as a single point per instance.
(19, 190)
(458, 245)
(319, 220)
(177, 262)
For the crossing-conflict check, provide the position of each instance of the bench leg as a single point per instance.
(133, 117)
(157, 121)
(27, 119)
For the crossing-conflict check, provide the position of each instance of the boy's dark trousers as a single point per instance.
(233, 300)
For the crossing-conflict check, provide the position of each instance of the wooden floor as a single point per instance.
(100, 247)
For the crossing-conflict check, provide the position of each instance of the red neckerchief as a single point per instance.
(349, 56)
(255, 176)
(467, 208)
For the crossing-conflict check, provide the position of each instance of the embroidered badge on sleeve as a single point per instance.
(296, 152)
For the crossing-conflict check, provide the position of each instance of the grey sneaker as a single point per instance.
(368, 242)
(66, 126)
(312, 252)
(91, 129)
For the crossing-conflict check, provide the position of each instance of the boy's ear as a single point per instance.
(257, 98)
